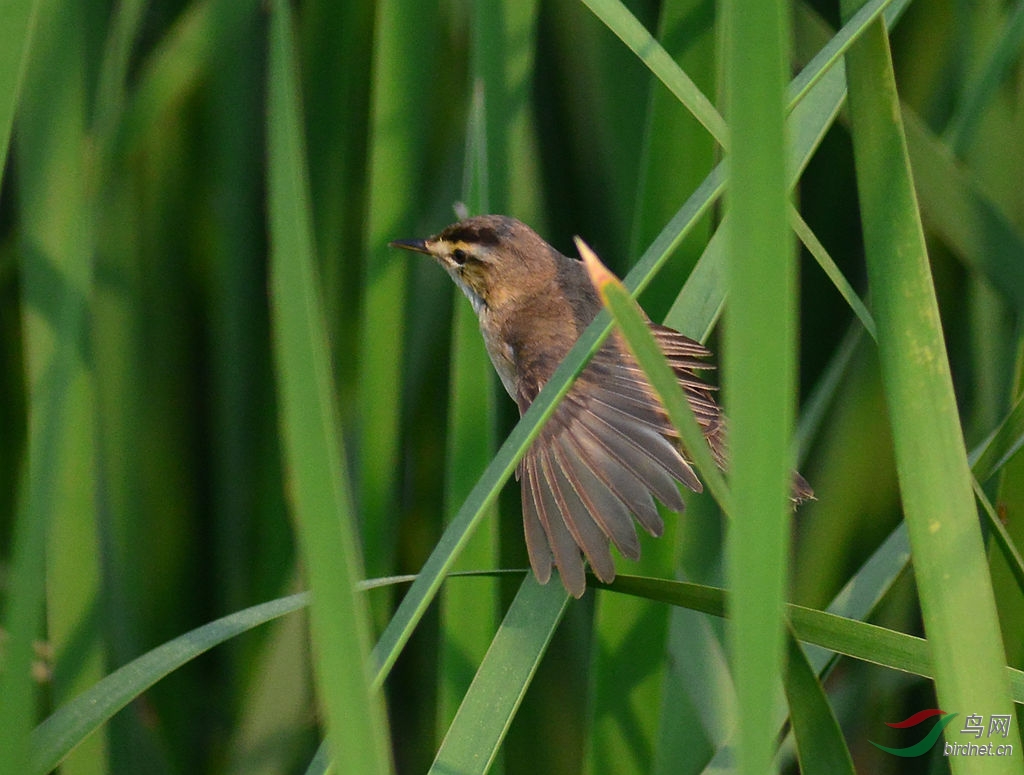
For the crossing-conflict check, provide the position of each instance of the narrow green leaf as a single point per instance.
(979, 92)
(471, 440)
(700, 302)
(963, 215)
(949, 559)
(815, 406)
(73, 722)
(699, 699)
(811, 242)
(405, 32)
(19, 19)
(276, 699)
(167, 76)
(832, 52)
(1002, 444)
(619, 20)
(655, 725)
(987, 459)
(1011, 555)
(759, 359)
(819, 741)
(55, 562)
(320, 764)
(25, 591)
(488, 708)
(869, 585)
(113, 73)
(317, 480)
(856, 600)
(852, 638)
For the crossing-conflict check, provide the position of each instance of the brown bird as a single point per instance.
(609, 446)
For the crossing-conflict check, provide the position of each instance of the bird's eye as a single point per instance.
(459, 256)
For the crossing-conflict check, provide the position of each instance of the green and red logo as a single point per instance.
(925, 744)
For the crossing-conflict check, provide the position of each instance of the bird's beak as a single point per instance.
(415, 245)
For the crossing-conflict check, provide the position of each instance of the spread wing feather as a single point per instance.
(619, 478)
(607, 510)
(609, 448)
(560, 541)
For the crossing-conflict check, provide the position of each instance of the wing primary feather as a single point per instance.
(537, 545)
(564, 548)
(610, 514)
(620, 479)
(578, 517)
(648, 411)
(633, 457)
(650, 442)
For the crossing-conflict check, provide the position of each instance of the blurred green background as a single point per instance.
(134, 204)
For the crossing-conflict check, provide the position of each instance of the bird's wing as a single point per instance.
(604, 453)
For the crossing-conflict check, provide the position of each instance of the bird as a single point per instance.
(608, 450)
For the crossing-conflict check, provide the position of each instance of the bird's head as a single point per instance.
(494, 259)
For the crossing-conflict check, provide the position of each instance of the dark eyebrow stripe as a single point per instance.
(472, 235)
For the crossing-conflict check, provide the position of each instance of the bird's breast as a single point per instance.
(501, 352)
(528, 343)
